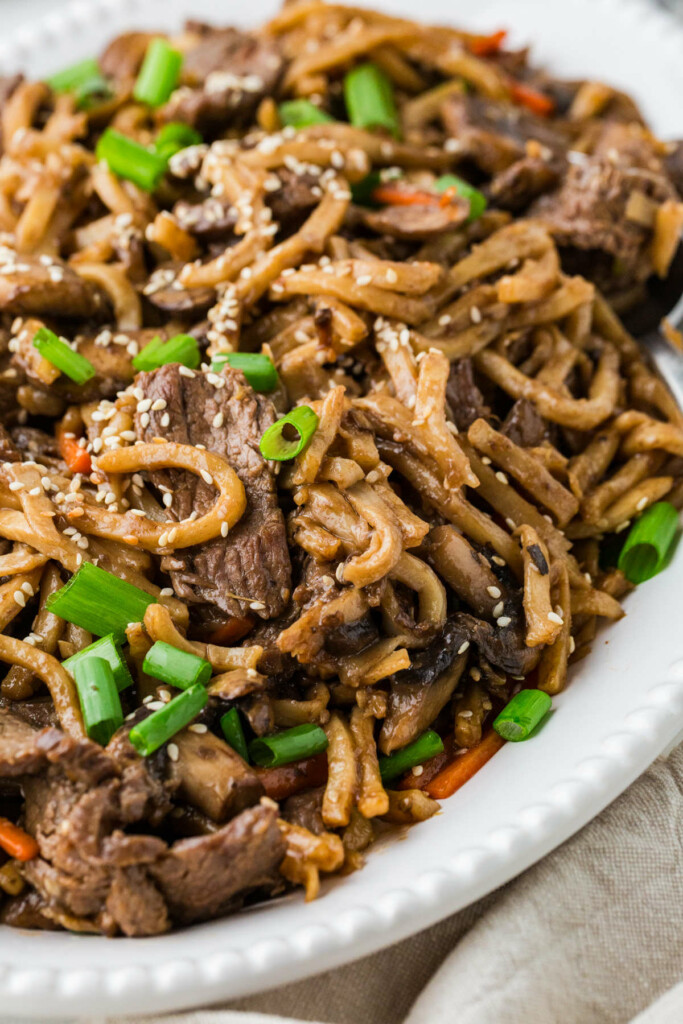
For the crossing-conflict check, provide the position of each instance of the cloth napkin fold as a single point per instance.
(593, 934)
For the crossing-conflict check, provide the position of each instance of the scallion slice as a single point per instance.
(649, 542)
(128, 159)
(288, 437)
(72, 77)
(259, 369)
(109, 650)
(99, 698)
(292, 745)
(424, 747)
(182, 348)
(234, 733)
(91, 92)
(162, 725)
(477, 199)
(177, 668)
(99, 602)
(302, 113)
(175, 136)
(522, 714)
(370, 101)
(159, 73)
(62, 356)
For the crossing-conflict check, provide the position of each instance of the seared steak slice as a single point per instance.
(524, 425)
(30, 288)
(19, 753)
(515, 187)
(465, 400)
(221, 412)
(201, 877)
(225, 77)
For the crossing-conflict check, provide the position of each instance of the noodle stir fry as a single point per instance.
(325, 452)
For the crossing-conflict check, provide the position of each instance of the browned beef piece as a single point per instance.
(416, 222)
(18, 751)
(515, 187)
(629, 145)
(524, 425)
(253, 561)
(203, 877)
(291, 203)
(33, 289)
(225, 76)
(210, 220)
(124, 55)
(27, 911)
(134, 904)
(38, 712)
(465, 400)
(494, 134)
(587, 215)
(8, 451)
(305, 809)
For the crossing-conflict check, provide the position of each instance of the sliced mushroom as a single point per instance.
(212, 777)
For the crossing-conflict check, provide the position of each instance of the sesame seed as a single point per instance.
(417, 769)
(504, 620)
(498, 560)
(166, 419)
(185, 371)
(498, 610)
(572, 644)
(16, 485)
(501, 477)
(155, 705)
(166, 592)
(475, 315)
(198, 727)
(20, 598)
(493, 591)
(163, 540)
(144, 419)
(463, 647)
(224, 529)
(554, 617)
(464, 714)
(256, 606)
(160, 403)
(167, 500)
(206, 476)
(27, 588)
(172, 534)
(173, 751)
(639, 507)
(218, 420)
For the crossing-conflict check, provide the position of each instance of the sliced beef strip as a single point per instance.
(18, 751)
(493, 135)
(8, 446)
(305, 810)
(211, 220)
(123, 57)
(38, 712)
(34, 289)
(524, 425)
(253, 561)
(291, 203)
(465, 400)
(225, 76)
(206, 876)
(587, 214)
(522, 182)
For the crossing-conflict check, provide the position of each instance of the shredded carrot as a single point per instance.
(448, 196)
(487, 46)
(76, 458)
(394, 195)
(461, 770)
(531, 98)
(231, 631)
(16, 842)
(288, 779)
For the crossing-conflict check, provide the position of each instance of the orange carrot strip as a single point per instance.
(76, 458)
(394, 195)
(288, 779)
(231, 631)
(487, 46)
(16, 842)
(464, 767)
(532, 99)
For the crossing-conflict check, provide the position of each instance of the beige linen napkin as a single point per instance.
(591, 935)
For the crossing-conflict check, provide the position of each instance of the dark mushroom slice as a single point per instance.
(29, 287)
(211, 776)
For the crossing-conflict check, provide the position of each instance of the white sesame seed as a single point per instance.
(641, 504)
(20, 598)
(173, 751)
(172, 534)
(185, 371)
(498, 560)
(493, 591)
(554, 617)
(224, 529)
(166, 592)
(27, 588)
(163, 540)
(155, 705)
(218, 420)
(475, 315)
(572, 644)
(198, 727)
(206, 476)
(498, 610)
(16, 485)
(504, 620)
(501, 477)
(144, 420)
(165, 419)
(256, 606)
(463, 647)
(464, 714)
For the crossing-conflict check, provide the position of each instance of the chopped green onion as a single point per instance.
(302, 113)
(175, 136)
(71, 78)
(159, 73)
(520, 717)
(99, 699)
(182, 348)
(256, 367)
(477, 199)
(292, 745)
(107, 649)
(288, 437)
(649, 542)
(361, 192)
(178, 668)
(150, 734)
(234, 733)
(128, 159)
(62, 356)
(99, 602)
(369, 97)
(424, 747)
(91, 92)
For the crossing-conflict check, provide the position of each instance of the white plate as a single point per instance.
(624, 706)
